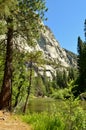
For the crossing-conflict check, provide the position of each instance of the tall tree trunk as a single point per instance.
(5, 95)
(29, 88)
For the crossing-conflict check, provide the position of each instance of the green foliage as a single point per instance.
(59, 79)
(38, 87)
(61, 94)
(81, 66)
(6, 7)
(44, 121)
(20, 77)
(75, 117)
(18, 19)
(3, 29)
(35, 57)
(72, 73)
(65, 93)
(64, 116)
(65, 76)
(2, 61)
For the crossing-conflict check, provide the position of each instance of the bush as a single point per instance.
(58, 94)
(61, 94)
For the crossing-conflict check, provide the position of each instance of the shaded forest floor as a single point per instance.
(9, 121)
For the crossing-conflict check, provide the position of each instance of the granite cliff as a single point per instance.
(53, 51)
(57, 58)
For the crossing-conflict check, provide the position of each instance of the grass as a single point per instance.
(69, 116)
(44, 121)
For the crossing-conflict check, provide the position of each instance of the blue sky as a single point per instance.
(66, 20)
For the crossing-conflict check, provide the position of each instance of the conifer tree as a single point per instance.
(81, 66)
(20, 18)
(34, 59)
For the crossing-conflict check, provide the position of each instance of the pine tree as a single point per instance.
(81, 66)
(21, 18)
(33, 58)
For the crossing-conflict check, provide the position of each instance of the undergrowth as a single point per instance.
(70, 117)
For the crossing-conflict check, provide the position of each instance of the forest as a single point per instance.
(20, 25)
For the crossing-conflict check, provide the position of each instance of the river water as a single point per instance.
(43, 104)
(49, 105)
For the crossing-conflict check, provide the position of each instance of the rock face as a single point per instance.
(56, 57)
(54, 52)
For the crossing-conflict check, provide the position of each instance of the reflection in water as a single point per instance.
(49, 105)
(41, 104)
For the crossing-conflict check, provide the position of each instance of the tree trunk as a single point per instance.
(29, 87)
(5, 95)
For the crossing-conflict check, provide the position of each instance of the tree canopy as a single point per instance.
(19, 18)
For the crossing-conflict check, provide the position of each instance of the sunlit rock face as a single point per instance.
(54, 52)
(57, 58)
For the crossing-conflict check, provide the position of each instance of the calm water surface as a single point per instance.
(48, 104)
(43, 104)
